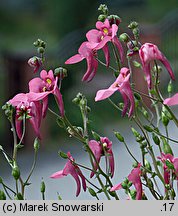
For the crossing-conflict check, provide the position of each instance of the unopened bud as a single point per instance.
(133, 25)
(101, 17)
(148, 128)
(135, 132)
(92, 192)
(119, 136)
(60, 72)
(114, 19)
(63, 155)
(16, 172)
(155, 139)
(147, 165)
(164, 119)
(96, 136)
(166, 147)
(2, 195)
(124, 37)
(1, 181)
(170, 87)
(41, 50)
(43, 187)
(18, 196)
(36, 144)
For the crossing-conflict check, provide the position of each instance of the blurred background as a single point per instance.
(63, 25)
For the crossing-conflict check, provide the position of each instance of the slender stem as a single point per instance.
(102, 63)
(32, 168)
(23, 133)
(130, 152)
(15, 140)
(116, 56)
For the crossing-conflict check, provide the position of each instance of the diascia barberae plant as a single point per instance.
(155, 176)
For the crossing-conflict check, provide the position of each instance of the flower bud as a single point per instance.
(166, 147)
(18, 196)
(119, 136)
(92, 192)
(101, 17)
(155, 139)
(43, 187)
(16, 172)
(96, 136)
(135, 132)
(2, 195)
(164, 119)
(63, 155)
(36, 144)
(60, 72)
(124, 37)
(148, 128)
(40, 50)
(114, 19)
(1, 181)
(35, 63)
(133, 25)
(103, 8)
(147, 165)
(170, 87)
(133, 194)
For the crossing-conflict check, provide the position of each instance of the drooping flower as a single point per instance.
(99, 149)
(172, 100)
(122, 85)
(74, 171)
(135, 178)
(148, 53)
(35, 62)
(174, 161)
(98, 38)
(40, 88)
(25, 108)
(92, 64)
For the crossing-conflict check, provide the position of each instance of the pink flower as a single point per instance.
(133, 177)
(122, 85)
(174, 161)
(150, 52)
(74, 171)
(40, 88)
(92, 64)
(98, 39)
(172, 100)
(35, 62)
(99, 149)
(32, 111)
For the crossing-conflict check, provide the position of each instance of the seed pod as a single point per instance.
(119, 136)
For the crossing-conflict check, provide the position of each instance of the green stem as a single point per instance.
(102, 63)
(15, 140)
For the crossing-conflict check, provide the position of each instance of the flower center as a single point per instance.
(105, 30)
(44, 89)
(48, 81)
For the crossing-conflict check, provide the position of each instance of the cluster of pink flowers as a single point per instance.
(34, 104)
